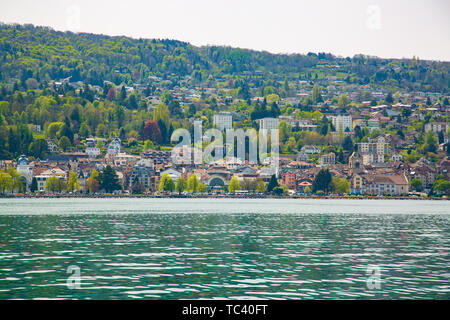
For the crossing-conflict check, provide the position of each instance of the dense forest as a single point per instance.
(43, 54)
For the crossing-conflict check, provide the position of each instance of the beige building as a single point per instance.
(380, 184)
(374, 150)
(42, 178)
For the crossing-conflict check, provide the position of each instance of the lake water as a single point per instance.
(224, 248)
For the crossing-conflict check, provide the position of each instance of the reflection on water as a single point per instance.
(235, 249)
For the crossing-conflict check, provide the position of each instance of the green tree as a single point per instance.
(180, 185)
(340, 185)
(39, 148)
(416, 184)
(347, 145)
(286, 85)
(192, 183)
(323, 126)
(17, 179)
(322, 181)
(108, 180)
(54, 184)
(202, 188)
(73, 184)
(280, 190)
(166, 183)
(53, 129)
(148, 144)
(6, 182)
(441, 186)
(358, 132)
(34, 185)
(66, 131)
(233, 186)
(84, 130)
(430, 144)
(93, 183)
(273, 183)
(343, 100)
(316, 96)
(261, 187)
(389, 98)
(119, 115)
(64, 143)
(123, 94)
(161, 115)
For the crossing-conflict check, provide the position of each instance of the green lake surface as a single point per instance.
(224, 249)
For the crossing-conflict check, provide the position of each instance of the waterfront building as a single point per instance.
(24, 168)
(380, 184)
(42, 178)
(142, 173)
(173, 174)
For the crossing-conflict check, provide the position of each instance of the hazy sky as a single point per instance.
(385, 28)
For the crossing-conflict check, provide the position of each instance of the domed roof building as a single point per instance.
(23, 167)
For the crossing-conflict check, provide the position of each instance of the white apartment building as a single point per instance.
(268, 123)
(223, 120)
(93, 152)
(342, 123)
(396, 157)
(437, 127)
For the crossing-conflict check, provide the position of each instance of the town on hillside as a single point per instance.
(360, 126)
(361, 151)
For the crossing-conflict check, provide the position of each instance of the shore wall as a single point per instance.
(202, 196)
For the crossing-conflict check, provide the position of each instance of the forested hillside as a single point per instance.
(59, 88)
(43, 54)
